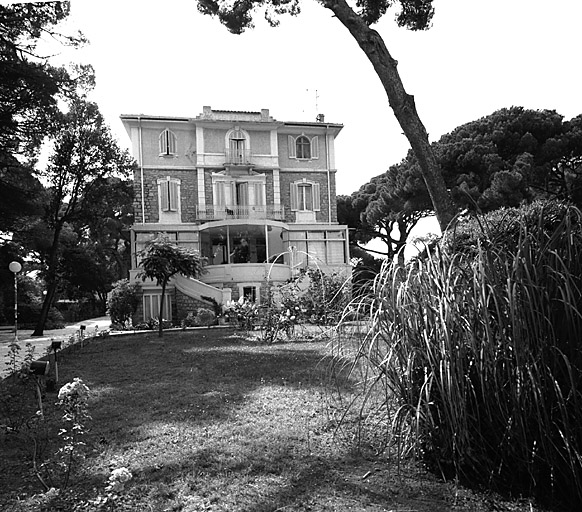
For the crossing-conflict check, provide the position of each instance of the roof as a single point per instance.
(209, 114)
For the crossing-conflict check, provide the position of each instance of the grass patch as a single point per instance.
(206, 421)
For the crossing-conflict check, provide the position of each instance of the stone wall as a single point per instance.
(185, 305)
(286, 178)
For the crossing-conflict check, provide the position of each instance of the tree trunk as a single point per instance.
(51, 283)
(161, 313)
(403, 106)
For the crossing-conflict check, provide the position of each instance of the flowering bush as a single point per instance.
(73, 398)
(322, 302)
(73, 394)
(117, 480)
(243, 313)
(288, 320)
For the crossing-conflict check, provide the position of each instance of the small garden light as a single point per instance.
(55, 346)
(39, 368)
(81, 333)
(15, 267)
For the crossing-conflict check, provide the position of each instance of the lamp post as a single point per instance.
(15, 267)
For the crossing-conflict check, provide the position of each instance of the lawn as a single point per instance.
(208, 421)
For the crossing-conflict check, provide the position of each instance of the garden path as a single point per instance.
(42, 342)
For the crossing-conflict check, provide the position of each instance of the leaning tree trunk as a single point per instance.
(403, 106)
(51, 283)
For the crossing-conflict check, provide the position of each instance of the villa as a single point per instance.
(255, 196)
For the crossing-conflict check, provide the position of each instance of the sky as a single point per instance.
(165, 58)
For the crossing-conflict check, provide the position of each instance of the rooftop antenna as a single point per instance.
(319, 117)
(308, 91)
(316, 101)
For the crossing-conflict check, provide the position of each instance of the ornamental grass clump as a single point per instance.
(477, 355)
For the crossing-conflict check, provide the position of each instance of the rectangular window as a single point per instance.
(305, 196)
(151, 306)
(250, 293)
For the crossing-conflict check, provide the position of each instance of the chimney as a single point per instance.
(320, 118)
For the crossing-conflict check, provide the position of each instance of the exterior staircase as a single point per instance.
(197, 289)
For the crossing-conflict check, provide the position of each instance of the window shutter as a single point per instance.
(292, 153)
(171, 143)
(219, 196)
(315, 147)
(173, 195)
(230, 199)
(167, 143)
(316, 197)
(243, 194)
(164, 196)
(294, 199)
(259, 194)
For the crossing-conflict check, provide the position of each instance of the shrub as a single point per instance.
(28, 315)
(123, 301)
(199, 317)
(503, 228)
(154, 324)
(317, 297)
(243, 313)
(190, 320)
(205, 317)
(479, 355)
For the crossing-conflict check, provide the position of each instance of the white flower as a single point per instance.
(74, 389)
(52, 492)
(121, 475)
(117, 479)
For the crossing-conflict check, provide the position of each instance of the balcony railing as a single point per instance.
(241, 212)
(238, 156)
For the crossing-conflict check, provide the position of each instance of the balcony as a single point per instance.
(241, 212)
(235, 156)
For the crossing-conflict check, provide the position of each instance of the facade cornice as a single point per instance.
(304, 170)
(145, 117)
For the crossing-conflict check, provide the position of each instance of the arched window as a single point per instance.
(238, 147)
(303, 147)
(167, 143)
